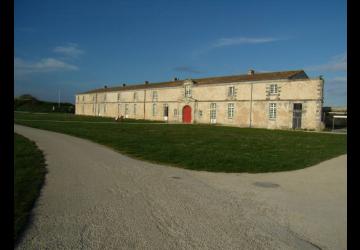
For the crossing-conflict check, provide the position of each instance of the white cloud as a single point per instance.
(337, 63)
(70, 50)
(22, 67)
(339, 79)
(336, 82)
(233, 41)
(336, 86)
(242, 40)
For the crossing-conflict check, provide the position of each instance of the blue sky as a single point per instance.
(79, 45)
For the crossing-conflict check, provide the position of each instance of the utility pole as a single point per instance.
(144, 103)
(59, 98)
(251, 91)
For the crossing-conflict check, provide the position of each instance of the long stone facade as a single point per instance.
(276, 100)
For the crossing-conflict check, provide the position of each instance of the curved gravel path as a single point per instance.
(96, 198)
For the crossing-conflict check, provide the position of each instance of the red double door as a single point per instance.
(186, 114)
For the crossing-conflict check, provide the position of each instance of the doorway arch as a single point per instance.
(186, 114)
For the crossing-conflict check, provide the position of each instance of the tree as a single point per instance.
(27, 97)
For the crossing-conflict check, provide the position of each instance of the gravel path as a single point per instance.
(96, 198)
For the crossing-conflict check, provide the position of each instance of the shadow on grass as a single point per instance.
(29, 177)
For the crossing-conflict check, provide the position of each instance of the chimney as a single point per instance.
(124, 84)
(146, 82)
(251, 72)
(175, 79)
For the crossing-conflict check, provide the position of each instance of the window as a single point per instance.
(231, 91)
(273, 89)
(154, 96)
(272, 110)
(200, 113)
(230, 110)
(166, 110)
(154, 109)
(134, 109)
(213, 111)
(187, 91)
(126, 109)
(297, 106)
(175, 112)
(77, 98)
(118, 97)
(82, 109)
(135, 96)
(83, 98)
(94, 98)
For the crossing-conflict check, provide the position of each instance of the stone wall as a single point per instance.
(251, 103)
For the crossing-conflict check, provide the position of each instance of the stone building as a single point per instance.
(276, 100)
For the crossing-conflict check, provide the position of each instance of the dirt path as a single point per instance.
(96, 198)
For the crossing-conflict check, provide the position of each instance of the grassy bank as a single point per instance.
(202, 147)
(29, 174)
(28, 103)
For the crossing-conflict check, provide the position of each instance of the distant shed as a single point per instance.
(335, 117)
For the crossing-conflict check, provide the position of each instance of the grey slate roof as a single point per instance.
(294, 74)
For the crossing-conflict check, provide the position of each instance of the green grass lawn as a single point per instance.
(202, 147)
(29, 174)
(72, 117)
